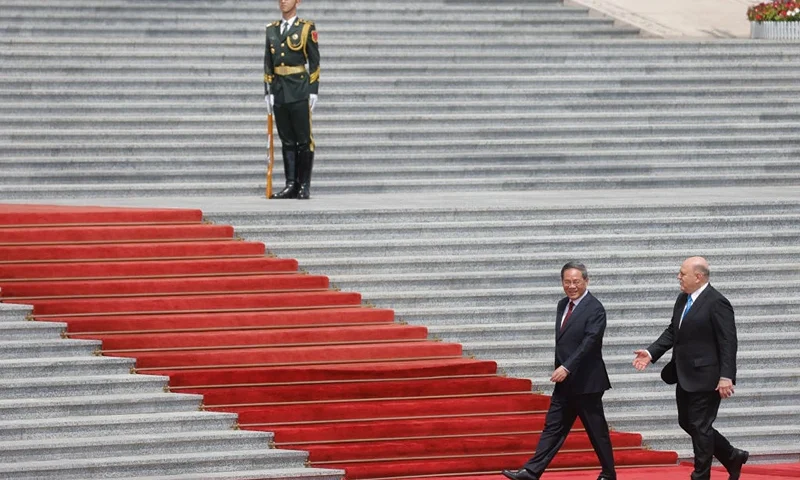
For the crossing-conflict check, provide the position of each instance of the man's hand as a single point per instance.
(642, 360)
(312, 100)
(559, 375)
(725, 388)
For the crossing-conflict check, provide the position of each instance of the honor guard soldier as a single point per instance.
(291, 83)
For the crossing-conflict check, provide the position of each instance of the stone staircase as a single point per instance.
(67, 414)
(488, 278)
(164, 98)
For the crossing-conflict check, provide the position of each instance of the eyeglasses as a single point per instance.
(568, 283)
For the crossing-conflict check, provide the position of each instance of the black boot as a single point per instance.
(290, 170)
(305, 160)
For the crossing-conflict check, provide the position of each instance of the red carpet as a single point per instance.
(24, 215)
(681, 472)
(145, 268)
(287, 353)
(208, 284)
(772, 471)
(92, 234)
(237, 320)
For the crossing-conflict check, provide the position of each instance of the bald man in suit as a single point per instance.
(702, 336)
(580, 376)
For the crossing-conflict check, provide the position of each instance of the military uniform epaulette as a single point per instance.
(274, 24)
(302, 20)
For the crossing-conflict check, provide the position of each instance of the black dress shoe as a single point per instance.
(735, 468)
(605, 476)
(290, 191)
(521, 474)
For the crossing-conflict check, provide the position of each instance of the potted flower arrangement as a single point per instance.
(775, 20)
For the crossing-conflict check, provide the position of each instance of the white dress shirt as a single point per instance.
(288, 23)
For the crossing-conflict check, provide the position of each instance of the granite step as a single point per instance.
(156, 464)
(456, 280)
(25, 330)
(542, 349)
(23, 349)
(84, 385)
(541, 327)
(729, 417)
(457, 314)
(663, 399)
(133, 445)
(115, 424)
(765, 435)
(536, 244)
(414, 177)
(98, 405)
(69, 367)
(269, 474)
(512, 227)
(620, 364)
(413, 162)
(23, 122)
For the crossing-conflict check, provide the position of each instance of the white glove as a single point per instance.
(270, 101)
(312, 100)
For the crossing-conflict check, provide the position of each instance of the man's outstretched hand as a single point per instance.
(642, 360)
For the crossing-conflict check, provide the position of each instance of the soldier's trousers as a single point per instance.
(294, 125)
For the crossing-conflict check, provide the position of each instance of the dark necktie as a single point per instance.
(566, 317)
(284, 27)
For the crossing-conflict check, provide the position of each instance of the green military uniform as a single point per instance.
(286, 77)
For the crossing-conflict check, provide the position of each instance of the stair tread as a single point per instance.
(152, 438)
(115, 419)
(144, 459)
(278, 474)
(132, 397)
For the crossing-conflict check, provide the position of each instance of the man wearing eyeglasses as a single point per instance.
(580, 378)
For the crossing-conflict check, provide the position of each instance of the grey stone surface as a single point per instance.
(165, 464)
(268, 474)
(98, 405)
(136, 72)
(116, 445)
(60, 366)
(101, 425)
(625, 152)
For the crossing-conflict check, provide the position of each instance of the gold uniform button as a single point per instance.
(283, 54)
(283, 64)
(283, 44)
(302, 77)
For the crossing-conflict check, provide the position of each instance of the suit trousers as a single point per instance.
(294, 125)
(564, 408)
(696, 414)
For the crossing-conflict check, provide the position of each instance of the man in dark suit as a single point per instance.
(580, 376)
(702, 336)
(291, 91)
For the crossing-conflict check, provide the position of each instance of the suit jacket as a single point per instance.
(285, 57)
(704, 347)
(579, 347)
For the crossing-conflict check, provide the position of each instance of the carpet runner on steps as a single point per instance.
(64, 290)
(145, 268)
(229, 320)
(278, 347)
(677, 472)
